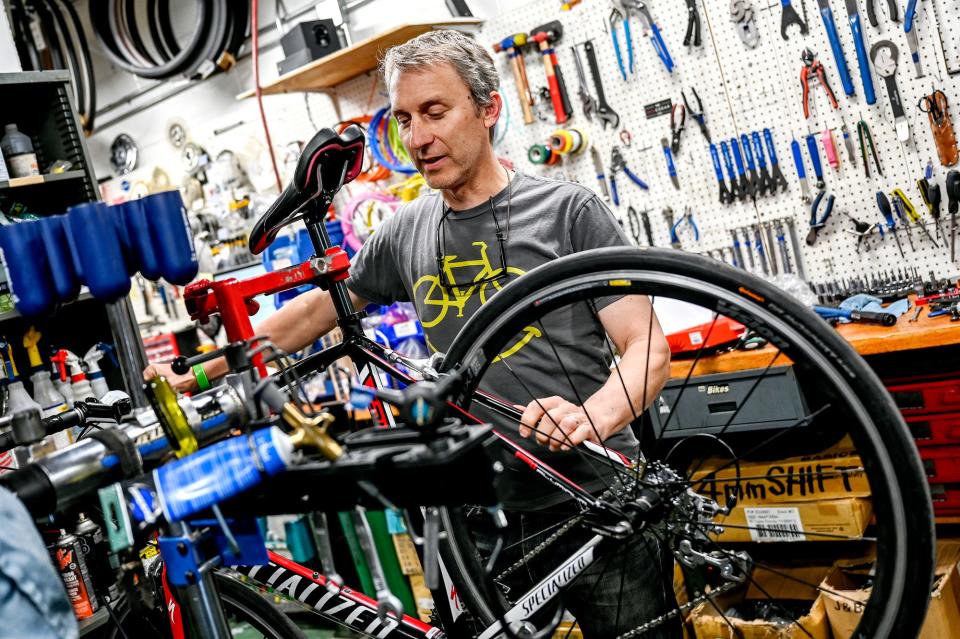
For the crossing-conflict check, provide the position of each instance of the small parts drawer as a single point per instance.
(927, 397)
(935, 430)
(946, 498)
(941, 464)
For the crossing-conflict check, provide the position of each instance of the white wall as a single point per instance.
(9, 62)
(211, 104)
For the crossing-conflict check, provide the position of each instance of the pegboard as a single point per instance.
(745, 90)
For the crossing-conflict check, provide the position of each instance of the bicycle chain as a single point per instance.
(653, 623)
(539, 548)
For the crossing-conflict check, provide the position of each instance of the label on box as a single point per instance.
(775, 524)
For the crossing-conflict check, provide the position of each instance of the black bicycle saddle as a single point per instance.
(327, 162)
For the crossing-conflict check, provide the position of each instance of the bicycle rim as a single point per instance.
(833, 378)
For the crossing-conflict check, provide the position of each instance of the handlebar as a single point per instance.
(27, 428)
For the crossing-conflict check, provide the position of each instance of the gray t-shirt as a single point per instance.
(548, 219)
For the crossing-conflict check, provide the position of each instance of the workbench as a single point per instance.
(868, 340)
(908, 356)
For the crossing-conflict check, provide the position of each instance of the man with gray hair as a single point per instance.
(445, 95)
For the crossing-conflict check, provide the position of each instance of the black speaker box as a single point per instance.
(306, 42)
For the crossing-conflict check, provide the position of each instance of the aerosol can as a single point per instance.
(60, 379)
(94, 374)
(44, 393)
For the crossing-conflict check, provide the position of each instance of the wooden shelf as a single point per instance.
(41, 179)
(345, 64)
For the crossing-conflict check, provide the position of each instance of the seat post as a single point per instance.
(314, 221)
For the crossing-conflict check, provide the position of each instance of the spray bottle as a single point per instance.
(78, 379)
(94, 374)
(51, 402)
(20, 400)
(60, 379)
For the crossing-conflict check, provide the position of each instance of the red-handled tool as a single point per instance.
(546, 36)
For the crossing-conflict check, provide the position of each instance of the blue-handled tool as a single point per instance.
(909, 27)
(863, 59)
(790, 18)
(735, 192)
(617, 16)
(653, 30)
(724, 191)
(801, 171)
(766, 180)
(830, 313)
(815, 160)
(887, 211)
(746, 187)
(671, 167)
(827, 14)
(818, 221)
(759, 188)
(777, 178)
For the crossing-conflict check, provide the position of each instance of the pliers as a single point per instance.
(624, 18)
(686, 218)
(651, 28)
(817, 222)
(693, 25)
(617, 164)
(866, 138)
(676, 128)
(811, 65)
(698, 113)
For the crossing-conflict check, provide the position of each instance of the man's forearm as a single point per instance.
(608, 408)
(295, 326)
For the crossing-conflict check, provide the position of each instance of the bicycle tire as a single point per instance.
(239, 602)
(901, 590)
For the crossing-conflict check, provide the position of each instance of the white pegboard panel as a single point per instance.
(746, 90)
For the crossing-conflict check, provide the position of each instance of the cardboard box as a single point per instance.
(845, 603)
(831, 474)
(801, 521)
(792, 584)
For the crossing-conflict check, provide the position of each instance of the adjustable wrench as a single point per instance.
(587, 103)
(606, 114)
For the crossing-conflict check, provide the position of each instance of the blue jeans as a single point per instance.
(33, 601)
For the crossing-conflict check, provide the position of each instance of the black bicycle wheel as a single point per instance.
(844, 406)
(244, 608)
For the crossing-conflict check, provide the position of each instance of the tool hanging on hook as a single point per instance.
(790, 18)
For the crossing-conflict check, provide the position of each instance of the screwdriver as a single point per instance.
(912, 214)
(904, 221)
(887, 212)
(953, 198)
(932, 197)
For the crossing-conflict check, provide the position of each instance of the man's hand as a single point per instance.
(557, 423)
(182, 383)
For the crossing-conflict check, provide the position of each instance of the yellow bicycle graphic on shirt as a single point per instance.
(436, 300)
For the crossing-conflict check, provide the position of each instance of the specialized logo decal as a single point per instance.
(331, 603)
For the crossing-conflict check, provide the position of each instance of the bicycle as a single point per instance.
(461, 295)
(653, 495)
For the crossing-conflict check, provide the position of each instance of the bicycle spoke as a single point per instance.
(557, 426)
(576, 393)
(686, 380)
(646, 376)
(743, 403)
